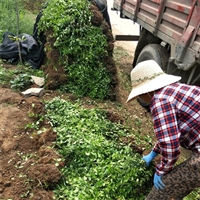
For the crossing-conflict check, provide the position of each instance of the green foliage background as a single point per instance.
(8, 19)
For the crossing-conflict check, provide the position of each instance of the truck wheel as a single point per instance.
(153, 52)
(145, 38)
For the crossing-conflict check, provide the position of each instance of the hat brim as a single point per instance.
(152, 85)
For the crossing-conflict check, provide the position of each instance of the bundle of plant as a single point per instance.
(97, 166)
(79, 49)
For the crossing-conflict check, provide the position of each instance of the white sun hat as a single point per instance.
(147, 76)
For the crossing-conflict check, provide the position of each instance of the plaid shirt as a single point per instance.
(176, 115)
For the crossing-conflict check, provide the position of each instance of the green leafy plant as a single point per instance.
(81, 45)
(18, 78)
(98, 165)
(18, 40)
(194, 195)
(5, 76)
(20, 82)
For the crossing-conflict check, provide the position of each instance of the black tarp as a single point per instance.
(31, 47)
(103, 7)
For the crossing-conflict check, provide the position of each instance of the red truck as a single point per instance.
(169, 34)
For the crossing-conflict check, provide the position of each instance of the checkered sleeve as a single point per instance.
(167, 134)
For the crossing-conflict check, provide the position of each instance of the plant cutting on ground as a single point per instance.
(98, 166)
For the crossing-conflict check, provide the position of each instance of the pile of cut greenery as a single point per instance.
(98, 165)
(79, 49)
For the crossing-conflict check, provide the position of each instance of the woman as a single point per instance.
(175, 110)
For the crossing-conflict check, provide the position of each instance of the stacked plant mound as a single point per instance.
(79, 49)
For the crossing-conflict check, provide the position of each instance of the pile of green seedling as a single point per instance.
(81, 45)
(98, 166)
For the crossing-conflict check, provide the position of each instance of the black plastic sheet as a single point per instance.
(31, 47)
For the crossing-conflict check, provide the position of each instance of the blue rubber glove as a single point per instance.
(148, 158)
(158, 182)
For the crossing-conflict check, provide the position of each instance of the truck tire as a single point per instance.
(145, 38)
(153, 52)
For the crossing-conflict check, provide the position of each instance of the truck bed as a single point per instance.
(175, 22)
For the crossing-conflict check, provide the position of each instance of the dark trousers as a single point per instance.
(182, 180)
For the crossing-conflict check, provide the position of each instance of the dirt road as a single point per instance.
(123, 27)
